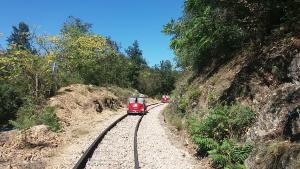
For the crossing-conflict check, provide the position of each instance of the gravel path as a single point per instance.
(116, 149)
(155, 149)
(68, 156)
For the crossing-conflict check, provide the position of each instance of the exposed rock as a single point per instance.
(274, 155)
(295, 69)
(265, 79)
(274, 114)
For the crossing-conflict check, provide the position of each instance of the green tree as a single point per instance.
(209, 32)
(138, 63)
(135, 54)
(74, 26)
(10, 101)
(20, 38)
(114, 45)
(167, 76)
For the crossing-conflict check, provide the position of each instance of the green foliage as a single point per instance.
(10, 101)
(198, 38)
(224, 122)
(49, 118)
(26, 116)
(76, 55)
(74, 26)
(135, 54)
(215, 133)
(230, 155)
(168, 76)
(211, 31)
(158, 80)
(20, 39)
(205, 143)
(29, 115)
(137, 61)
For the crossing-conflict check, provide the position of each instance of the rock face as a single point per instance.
(281, 155)
(272, 119)
(294, 69)
(268, 81)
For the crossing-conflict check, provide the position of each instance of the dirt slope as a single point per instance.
(78, 107)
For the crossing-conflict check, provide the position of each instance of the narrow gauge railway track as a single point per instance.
(81, 163)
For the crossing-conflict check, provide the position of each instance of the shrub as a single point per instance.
(230, 155)
(194, 94)
(28, 116)
(48, 117)
(10, 101)
(215, 133)
(224, 122)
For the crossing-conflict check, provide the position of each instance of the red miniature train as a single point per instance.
(136, 105)
(165, 99)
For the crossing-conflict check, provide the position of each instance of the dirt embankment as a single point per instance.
(79, 108)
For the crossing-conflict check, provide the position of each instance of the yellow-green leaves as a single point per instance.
(8, 68)
(89, 45)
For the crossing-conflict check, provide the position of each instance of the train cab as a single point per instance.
(165, 99)
(136, 105)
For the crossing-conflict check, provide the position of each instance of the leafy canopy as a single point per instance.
(20, 38)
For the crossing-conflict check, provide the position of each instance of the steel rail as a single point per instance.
(89, 152)
(81, 163)
(135, 148)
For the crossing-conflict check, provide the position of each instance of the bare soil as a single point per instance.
(81, 110)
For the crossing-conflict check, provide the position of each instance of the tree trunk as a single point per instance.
(36, 85)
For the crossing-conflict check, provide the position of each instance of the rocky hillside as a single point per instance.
(267, 81)
(239, 94)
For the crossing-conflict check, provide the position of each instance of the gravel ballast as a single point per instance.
(68, 156)
(116, 149)
(155, 149)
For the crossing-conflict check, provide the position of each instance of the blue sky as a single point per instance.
(123, 20)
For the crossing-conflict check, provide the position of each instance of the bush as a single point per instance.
(194, 93)
(28, 116)
(214, 135)
(230, 155)
(223, 122)
(174, 119)
(211, 31)
(10, 101)
(49, 118)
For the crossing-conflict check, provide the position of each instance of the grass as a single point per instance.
(174, 119)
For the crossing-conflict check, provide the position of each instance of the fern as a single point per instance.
(206, 144)
(219, 160)
(214, 134)
(235, 166)
(241, 153)
(230, 155)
